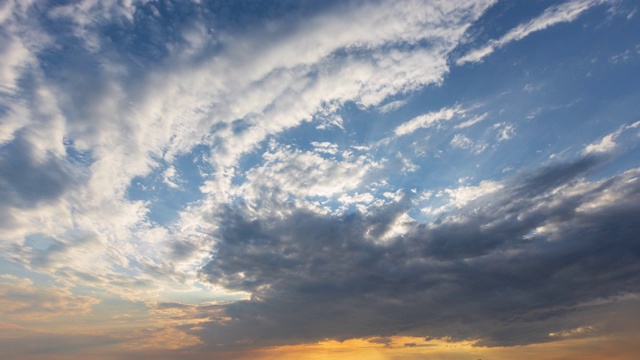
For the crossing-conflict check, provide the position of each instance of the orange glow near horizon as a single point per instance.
(405, 348)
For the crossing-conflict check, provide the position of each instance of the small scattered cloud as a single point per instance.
(325, 147)
(171, 178)
(506, 131)
(462, 142)
(605, 145)
(572, 333)
(391, 106)
(428, 120)
(474, 120)
(529, 87)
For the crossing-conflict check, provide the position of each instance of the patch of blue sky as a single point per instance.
(77, 157)
(169, 188)
(573, 102)
(500, 18)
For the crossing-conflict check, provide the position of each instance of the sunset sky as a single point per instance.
(314, 179)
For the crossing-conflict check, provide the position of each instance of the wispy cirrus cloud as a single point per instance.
(428, 120)
(565, 12)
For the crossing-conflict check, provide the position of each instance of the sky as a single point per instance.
(305, 179)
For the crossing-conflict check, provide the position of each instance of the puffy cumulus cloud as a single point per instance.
(565, 12)
(461, 196)
(516, 261)
(290, 174)
(20, 299)
(605, 145)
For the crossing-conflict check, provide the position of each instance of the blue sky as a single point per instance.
(243, 175)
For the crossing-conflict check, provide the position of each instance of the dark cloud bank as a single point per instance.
(479, 273)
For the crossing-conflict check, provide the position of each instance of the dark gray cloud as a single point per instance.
(509, 268)
(27, 179)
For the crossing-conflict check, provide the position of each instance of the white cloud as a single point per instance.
(325, 147)
(461, 141)
(460, 197)
(391, 106)
(289, 172)
(565, 12)
(474, 120)
(356, 198)
(170, 177)
(428, 120)
(16, 57)
(505, 131)
(576, 332)
(605, 145)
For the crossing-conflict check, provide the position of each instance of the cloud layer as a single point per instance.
(504, 269)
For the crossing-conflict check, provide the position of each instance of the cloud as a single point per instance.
(462, 142)
(28, 179)
(565, 12)
(507, 267)
(290, 174)
(463, 195)
(98, 93)
(472, 121)
(305, 235)
(505, 131)
(428, 120)
(20, 299)
(391, 106)
(325, 147)
(170, 177)
(605, 145)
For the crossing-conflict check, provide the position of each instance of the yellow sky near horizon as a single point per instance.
(178, 344)
(605, 347)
